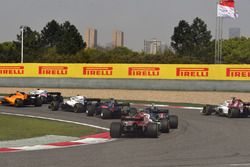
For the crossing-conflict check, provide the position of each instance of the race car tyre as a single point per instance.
(219, 112)
(38, 102)
(152, 130)
(115, 130)
(63, 106)
(78, 108)
(233, 113)
(90, 110)
(105, 113)
(60, 99)
(245, 113)
(44, 99)
(54, 106)
(173, 121)
(18, 103)
(207, 110)
(165, 126)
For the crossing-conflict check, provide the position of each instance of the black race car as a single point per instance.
(107, 109)
(163, 117)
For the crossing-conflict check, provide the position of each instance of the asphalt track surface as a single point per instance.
(199, 141)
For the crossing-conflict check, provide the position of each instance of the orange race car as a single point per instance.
(20, 99)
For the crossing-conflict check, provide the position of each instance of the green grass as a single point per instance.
(15, 127)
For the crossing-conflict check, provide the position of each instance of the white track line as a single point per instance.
(246, 164)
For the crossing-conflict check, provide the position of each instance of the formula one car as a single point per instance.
(108, 109)
(47, 97)
(163, 117)
(137, 123)
(75, 103)
(233, 108)
(20, 99)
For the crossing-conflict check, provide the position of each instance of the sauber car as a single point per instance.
(47, 97)
(20, 99)
(233, 108)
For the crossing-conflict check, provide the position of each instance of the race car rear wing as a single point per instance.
(54, 93)
(246, 104)
(157, 110)
(132, 119)
(93, 99)
(122, 104)
(54, 96)
(160, 111)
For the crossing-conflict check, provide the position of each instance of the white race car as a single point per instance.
(75, 103)
(43, 94)
(231, 108)
(47, 97)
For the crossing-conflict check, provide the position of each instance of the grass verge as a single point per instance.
(15, 127)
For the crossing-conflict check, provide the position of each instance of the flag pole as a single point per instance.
(221, 41)
(215, 41)
(225, 9)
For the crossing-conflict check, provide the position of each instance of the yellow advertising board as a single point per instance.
(128, 71)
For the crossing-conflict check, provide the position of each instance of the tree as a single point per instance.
(201, 38)
(120, 55)
(236, 51)
(31, 43)
(51, 34)
(182, 38)
(9, 53)
(193, 41)
(71, 41)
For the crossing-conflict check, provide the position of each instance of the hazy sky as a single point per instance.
(138, 19)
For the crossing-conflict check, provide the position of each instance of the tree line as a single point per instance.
(62, 43)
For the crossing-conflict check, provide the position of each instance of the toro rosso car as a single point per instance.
(75, 103)
(233, 108)
(137, 123)
(47, 97)
(108, 109)
(20, 99)
(163, 117)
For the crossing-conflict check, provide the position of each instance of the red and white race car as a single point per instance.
(136, 123)
(233, 108)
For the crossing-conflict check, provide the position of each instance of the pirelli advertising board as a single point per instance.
(128, 71)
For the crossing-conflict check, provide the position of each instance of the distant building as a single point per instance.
(234, 32)
(152, 47)
(117, 38)
(90, 37)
